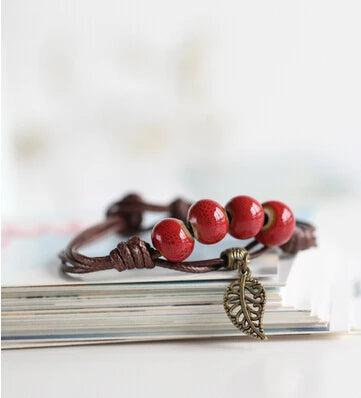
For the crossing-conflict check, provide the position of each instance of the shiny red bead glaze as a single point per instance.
(246, 217)
(279, 224)
(208, 220)
(172, 239)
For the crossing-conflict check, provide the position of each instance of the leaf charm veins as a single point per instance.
(244, 302)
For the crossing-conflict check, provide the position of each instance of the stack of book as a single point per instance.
(43, 307)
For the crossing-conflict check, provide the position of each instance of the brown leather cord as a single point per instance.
(126, 216)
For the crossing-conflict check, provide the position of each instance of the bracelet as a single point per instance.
(271, 224)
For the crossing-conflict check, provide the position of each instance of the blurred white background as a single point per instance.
(199, 98)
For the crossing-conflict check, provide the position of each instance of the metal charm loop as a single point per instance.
(237, 258)
(244, 299)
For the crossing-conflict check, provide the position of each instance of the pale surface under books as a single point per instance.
(308, 366)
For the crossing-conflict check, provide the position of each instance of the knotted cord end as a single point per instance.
(128, 208)
(131, 254)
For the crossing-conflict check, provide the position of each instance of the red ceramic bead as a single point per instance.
(245, 217)
(208, 220)
(172, 239)
(279, 224)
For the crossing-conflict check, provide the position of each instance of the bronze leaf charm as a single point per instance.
(244, 302)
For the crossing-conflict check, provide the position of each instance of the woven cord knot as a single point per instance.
(302, 239)
(179, 209)
(132, 254)
(130, 208)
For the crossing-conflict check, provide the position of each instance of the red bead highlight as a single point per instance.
(208, 220)
(172, 239)
(246, 217)
(279, 224)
